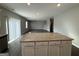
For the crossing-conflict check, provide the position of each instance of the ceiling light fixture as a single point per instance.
(58, 5)
(28, 4)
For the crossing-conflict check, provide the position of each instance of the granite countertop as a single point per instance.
(31, 37)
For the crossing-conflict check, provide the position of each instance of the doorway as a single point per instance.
(51, 24)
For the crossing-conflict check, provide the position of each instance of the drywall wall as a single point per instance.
(2, 23)
(40, 24)
(47, 25)
(6, 14)
(37, 24)
(67, 23)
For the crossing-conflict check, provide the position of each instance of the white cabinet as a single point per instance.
(41, 51)
(60, 48)
(41, 48)
(28, 49)
(65, 48)
(54, 48)
(49, 48)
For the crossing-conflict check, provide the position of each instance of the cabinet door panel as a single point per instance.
(41, 50)
(54, 50)
(28, 51)
(65, 50)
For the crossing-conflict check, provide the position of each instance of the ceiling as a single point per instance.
(38, 11)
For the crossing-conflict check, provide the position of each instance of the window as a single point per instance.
(14, 28)
(26, 24)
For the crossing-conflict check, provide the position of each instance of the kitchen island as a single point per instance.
(45, 44)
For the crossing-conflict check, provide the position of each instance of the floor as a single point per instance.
(14, 49)
(4, 53)
(75, 51)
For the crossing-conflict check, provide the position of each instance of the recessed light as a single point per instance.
(28, 4)
(58, 5)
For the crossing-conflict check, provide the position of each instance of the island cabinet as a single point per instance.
(60, 48)
(41, 49)
(28, 49)
(54, 45)
(65, 48)
(54, 48)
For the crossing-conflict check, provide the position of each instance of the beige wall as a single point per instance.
(40, 25)
(2, 23)
(37, 24)
(47, 25)
(67, 23)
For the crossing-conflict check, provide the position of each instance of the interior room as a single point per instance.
(39, 29)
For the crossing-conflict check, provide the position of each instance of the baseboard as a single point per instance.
(75, 45)
(11, 41)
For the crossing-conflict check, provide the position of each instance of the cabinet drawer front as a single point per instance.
(66, 42)
(55, 43)
(28, 44)
(41, 43)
